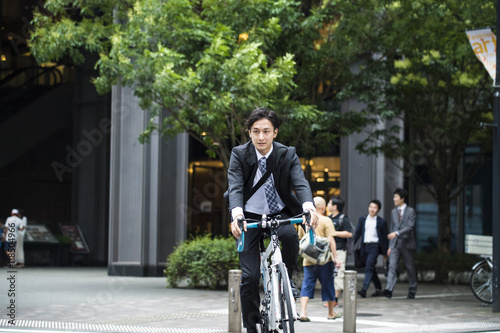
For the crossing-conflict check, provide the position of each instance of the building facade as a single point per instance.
(71, 156)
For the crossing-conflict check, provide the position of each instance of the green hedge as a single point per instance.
(455, 268)
(202, 262)
(453, 262)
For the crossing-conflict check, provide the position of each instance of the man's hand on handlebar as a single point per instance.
(313, 219)
(235, 228)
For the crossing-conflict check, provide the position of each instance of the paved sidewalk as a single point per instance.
(87, 300)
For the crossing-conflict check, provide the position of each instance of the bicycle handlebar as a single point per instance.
(272, 223)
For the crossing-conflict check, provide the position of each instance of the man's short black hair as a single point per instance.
(403, 194)
(337, 200)
(378, 203)
(261, 113)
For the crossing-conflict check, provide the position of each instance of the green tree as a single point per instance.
(418, 67)
(202, 66)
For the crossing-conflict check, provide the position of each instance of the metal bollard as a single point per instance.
(233, 283)
(350, 292)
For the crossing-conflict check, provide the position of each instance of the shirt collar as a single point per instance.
(259, 155)
(402, 208)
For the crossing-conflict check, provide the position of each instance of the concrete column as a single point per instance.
(356, 173)
(148, 182)
(364, 177)
(90, 149)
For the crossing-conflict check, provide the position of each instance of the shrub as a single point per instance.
(454, 262)
(202, 262)
(458, 265)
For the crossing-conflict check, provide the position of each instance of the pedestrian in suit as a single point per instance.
(401, 243)
(372, 229)
(248, 163)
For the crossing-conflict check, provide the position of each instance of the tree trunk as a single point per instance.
(444, 238)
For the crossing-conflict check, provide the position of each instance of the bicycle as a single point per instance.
(277, 307)
(481, 280)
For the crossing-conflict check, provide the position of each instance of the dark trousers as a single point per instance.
(250, 267)
(372, 252)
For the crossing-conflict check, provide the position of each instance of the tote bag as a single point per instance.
(318, 253)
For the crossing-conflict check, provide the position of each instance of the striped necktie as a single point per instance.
(271, 196)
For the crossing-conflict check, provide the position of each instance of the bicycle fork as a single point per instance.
(279, 286)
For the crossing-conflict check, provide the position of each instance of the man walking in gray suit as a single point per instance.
(401, 243)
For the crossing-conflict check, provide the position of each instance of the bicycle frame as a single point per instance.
(488, 259)
(270, 273)
(271, 279)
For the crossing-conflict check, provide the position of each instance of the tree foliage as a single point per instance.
(418, 72)
(202, 66)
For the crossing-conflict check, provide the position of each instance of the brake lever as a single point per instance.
(307, 215)
(312, 234)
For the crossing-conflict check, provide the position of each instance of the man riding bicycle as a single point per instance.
(273, 195)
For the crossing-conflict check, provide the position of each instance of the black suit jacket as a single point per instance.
(288, 176)
(383, 242)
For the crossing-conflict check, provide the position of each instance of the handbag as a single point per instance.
(318, 253)
(359, 260)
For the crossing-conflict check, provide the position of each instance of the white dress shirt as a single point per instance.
(371, 235)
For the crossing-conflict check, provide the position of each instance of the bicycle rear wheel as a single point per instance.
(286, 299)
(481, 283)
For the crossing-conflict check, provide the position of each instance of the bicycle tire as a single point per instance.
(287, 316)
(481, 283)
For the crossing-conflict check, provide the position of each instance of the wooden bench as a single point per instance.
(477, 244)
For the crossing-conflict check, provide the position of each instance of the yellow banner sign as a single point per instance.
(484, 44)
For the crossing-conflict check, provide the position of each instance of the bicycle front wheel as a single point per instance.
(286, 299)
(481, 283)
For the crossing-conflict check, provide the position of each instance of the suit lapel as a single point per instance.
(395, 218)
(405, 214)
(273, 161)
(377, 228)
(251, 158)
